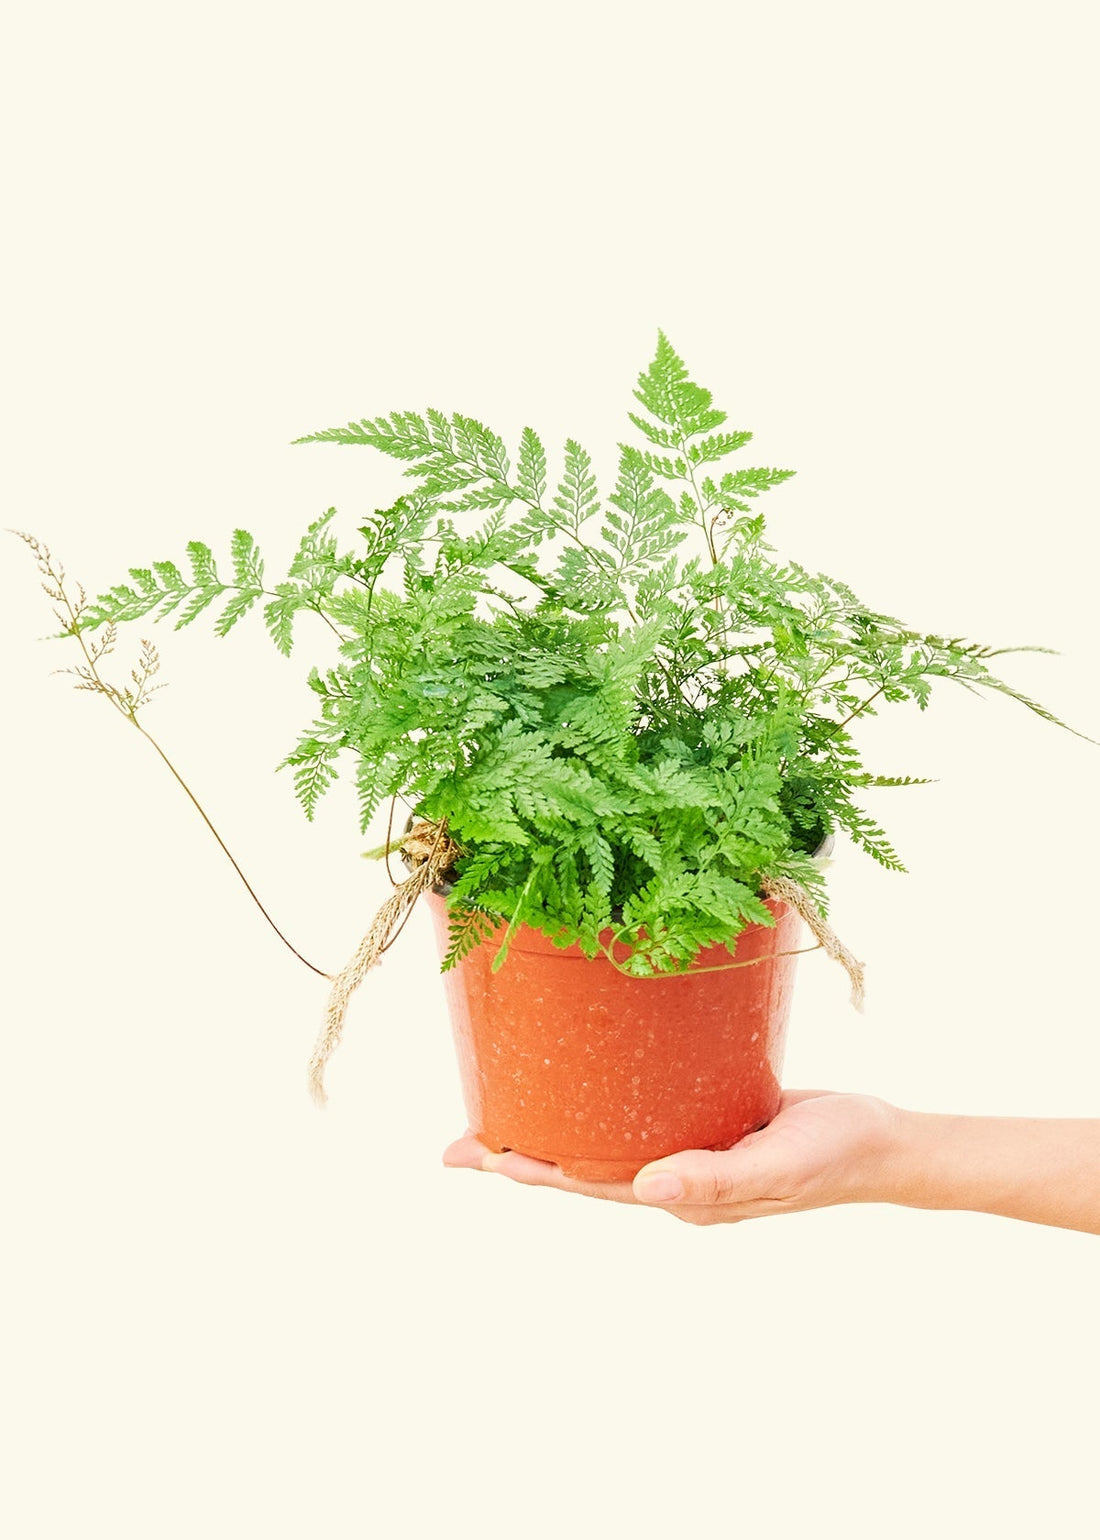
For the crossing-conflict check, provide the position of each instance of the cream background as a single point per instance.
(871, 230)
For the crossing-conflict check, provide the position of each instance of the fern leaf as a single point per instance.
(1032, 705)
(644, 844)
(480, 447)
(661, 465)
(239, 604)
(279, 614)
(664, 438)
(516, 919)
(248, 567)
(646, 528)
(311, 761)
(577, 497)
(892, 780)
(404, 435)
(531, 471)
(716, 447)
(735, 486)
(203, 569)
(439, 430)
(601, 862)
(666, 392)
(867, 835)
(468, 926)
(312, 778)
(372, 783)
(118, 604)
(197, 601)
(173, 586)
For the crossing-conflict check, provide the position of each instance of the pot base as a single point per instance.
(584, 1168)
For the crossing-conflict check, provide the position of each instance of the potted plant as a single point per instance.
(622, 730)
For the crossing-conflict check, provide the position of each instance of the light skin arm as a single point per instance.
(825, 1148)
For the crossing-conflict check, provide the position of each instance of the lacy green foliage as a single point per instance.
(627, 709)
(162, 589)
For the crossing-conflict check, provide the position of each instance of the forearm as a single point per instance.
(1046, 1170)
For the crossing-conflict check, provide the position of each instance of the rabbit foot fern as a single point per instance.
(628, 712)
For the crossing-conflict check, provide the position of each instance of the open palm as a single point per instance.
(821, 1148)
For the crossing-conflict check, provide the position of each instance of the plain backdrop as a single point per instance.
(870, 229)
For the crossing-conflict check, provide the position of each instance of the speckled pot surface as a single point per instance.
(566, 1059)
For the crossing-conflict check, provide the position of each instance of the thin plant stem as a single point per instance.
(856, 712)
(229, 854)
(126, 704)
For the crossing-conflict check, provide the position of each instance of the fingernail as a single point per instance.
(661, 1187)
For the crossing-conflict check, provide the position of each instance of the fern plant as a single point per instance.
(628, 709)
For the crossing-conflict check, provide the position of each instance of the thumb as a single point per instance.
(738, 1175)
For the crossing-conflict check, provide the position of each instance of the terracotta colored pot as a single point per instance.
(569, 1060)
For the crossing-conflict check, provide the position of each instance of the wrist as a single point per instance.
(938, 1160)
(902, 1172)
(903, 1163)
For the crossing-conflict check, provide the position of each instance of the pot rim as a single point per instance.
(822, 853)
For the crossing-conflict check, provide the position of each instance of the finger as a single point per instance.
(792, 1098)
(710, 1177)
(470, 1153)
(542, 1173)
(467, 1152)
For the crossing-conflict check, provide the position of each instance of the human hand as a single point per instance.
(821, 1148)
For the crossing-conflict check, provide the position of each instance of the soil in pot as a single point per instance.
(566, 1059)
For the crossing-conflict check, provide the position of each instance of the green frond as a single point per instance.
(314, 771)
(481, 447)
(665, 390)
(531, 471)
(577, 497)
(646, 527)
(248, 567)
(204, 572)
(628, 708)
(716, 447)
(238, 604)
(405, 435)
(1032, 705)
(279, 614)
(736, 486)
(867, 835)
(891, 780)
(664, 438)
(601, 861)
(468, 927)
(173, 586)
